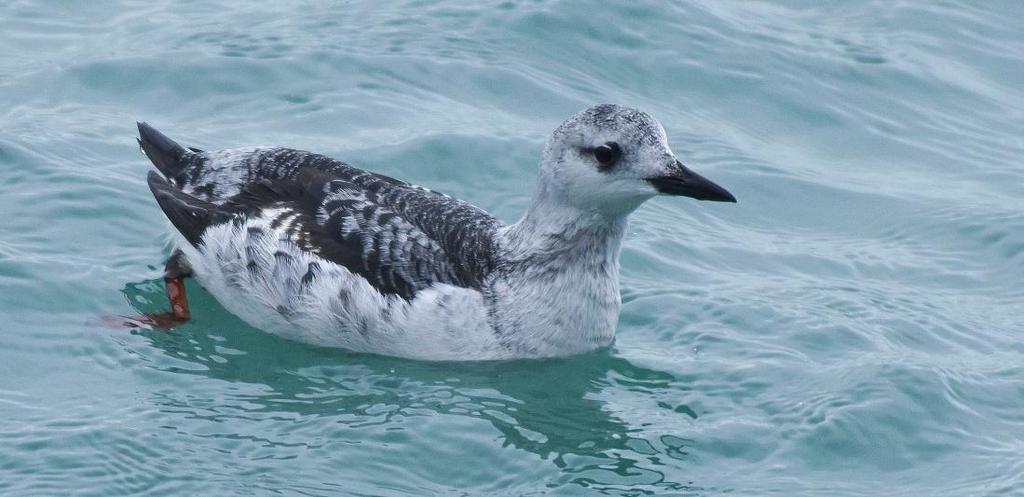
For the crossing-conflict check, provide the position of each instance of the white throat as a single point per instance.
(556, 290)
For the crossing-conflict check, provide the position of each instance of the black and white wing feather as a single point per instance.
(400, 237)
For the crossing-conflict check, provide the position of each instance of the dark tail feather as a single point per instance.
(188, 214)
(165, 154)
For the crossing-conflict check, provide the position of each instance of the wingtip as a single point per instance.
(155, 181)
(142, 127)
(145, 130)
(158, 186)
(189, 215)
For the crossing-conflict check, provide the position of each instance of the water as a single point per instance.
(852, 327)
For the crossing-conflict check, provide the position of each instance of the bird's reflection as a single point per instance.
(551, 408)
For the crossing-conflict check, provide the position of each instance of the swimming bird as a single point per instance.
(316, 250)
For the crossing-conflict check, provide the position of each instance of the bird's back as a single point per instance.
(400, 237)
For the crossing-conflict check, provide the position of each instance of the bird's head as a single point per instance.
(611, 159)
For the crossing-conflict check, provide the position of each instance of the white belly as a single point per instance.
(267, 283)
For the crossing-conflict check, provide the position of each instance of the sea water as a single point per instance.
(853, 326)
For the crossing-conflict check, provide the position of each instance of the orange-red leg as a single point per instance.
(179, 312)
(174, 280)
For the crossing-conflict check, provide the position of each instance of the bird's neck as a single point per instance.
(557, 285)
(555, 231)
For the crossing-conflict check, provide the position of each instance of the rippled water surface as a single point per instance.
(853, 326)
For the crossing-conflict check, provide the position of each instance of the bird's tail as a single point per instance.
(163, 152)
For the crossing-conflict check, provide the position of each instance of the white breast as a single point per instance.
(546, 311)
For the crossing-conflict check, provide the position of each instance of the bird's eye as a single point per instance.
(608, 154)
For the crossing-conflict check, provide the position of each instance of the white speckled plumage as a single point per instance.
(318, 251)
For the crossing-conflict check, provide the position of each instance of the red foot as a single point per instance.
(178, 314)
(179, 301)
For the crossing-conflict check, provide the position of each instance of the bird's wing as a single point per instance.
(400, 237)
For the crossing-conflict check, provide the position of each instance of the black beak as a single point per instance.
(682, 181)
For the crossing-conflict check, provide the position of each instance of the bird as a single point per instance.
(316, 250)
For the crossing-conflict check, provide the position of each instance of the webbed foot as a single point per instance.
(175, 272)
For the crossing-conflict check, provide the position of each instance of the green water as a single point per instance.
(853, 326)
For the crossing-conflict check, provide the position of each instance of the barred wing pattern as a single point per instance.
(400, 237)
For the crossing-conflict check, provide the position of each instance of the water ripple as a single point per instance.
(851, 327)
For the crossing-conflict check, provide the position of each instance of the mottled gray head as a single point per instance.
(613, 158)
